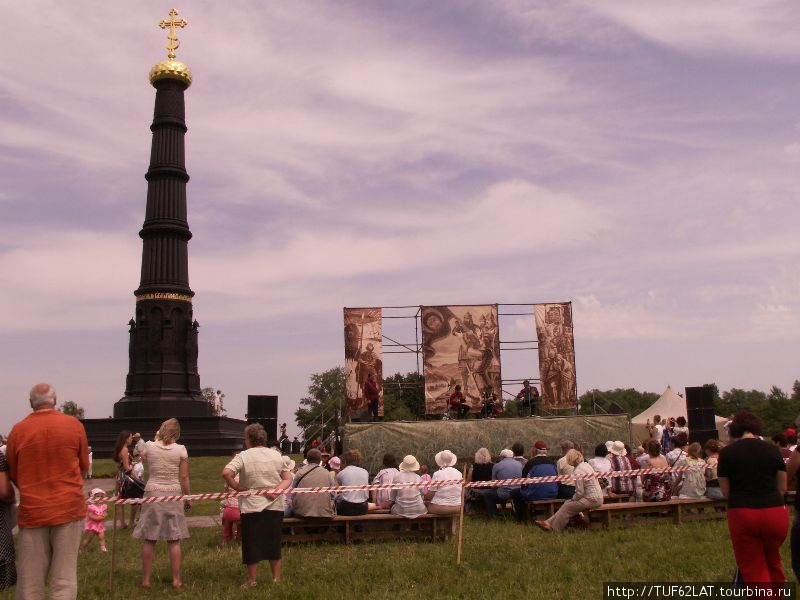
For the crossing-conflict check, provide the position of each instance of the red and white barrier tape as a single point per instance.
(399, 486)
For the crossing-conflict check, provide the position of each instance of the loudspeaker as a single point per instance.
(700, 409)
(701, 436)
(264, 410)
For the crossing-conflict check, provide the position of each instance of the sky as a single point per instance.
(638, 159)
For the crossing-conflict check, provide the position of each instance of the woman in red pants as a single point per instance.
(752, 475)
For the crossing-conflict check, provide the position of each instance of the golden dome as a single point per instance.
(171, 69)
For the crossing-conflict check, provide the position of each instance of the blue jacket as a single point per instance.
(541, 491)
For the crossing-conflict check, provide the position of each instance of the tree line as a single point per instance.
(325, 408)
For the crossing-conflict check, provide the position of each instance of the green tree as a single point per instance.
(796, 390)
(631, 400)
(735, 400)
(71, 408)
(319, 412)
(404, 397)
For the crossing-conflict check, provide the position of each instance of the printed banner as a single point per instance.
(556, 355)
(363, 356)
(461, 346)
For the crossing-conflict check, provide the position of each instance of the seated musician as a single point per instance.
(458, 402)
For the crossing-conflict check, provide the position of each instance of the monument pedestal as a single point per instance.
(202, 436)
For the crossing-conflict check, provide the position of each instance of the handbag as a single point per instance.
(131, 487)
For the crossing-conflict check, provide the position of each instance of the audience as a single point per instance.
(95, 524)
(407, 502)
(309, 476)
(382, 499)
(601, 464)
(352, 503)
(588, 495)
(691, 483)
(712, 449)
(752, 475)
(445, 500)
(538, 466)
(259, 468)
(656, 487)
(506, 468)
(621, 461)
(168, 466)
(47, 454)
(566, 489)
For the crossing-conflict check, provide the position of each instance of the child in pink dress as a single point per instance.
(95, 519)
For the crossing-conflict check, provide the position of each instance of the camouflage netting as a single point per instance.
(424, 439)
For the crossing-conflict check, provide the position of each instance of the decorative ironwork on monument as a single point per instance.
(162, 376)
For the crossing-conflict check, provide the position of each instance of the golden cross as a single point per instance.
(173, 43)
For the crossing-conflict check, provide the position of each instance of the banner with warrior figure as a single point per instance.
(556, 355)
(461, 348)
(363, 362)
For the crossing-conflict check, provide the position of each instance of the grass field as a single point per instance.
(500, 560)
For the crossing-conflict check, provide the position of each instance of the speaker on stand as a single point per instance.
(700, 413)
(264, 410)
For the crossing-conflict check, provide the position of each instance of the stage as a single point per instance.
(424, 439)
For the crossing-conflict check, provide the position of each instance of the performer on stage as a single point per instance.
(491, 407)
(527, 399)
(373, 395)
(458, 402)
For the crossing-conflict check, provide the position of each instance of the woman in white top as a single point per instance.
(691, 483)
(168, 467)
(588, 495)
(600, 463)
(408, 502)
(259, 468)
(382, 499)
(445, 500)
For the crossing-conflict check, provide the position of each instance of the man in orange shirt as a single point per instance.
(47, 454)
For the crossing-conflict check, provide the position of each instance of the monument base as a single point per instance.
(202, 436)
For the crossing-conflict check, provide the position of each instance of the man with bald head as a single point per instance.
(47, 454)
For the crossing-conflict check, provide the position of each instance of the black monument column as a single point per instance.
(162, 374)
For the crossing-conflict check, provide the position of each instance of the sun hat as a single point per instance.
(335, 463)
(409, 464)
(445, 458)
(97, 492)
(617, 448)
(506, 453)
(288, 463)
(609, 443)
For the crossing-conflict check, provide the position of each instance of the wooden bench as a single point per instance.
(369, 527)
(549, 507)
(675, 511)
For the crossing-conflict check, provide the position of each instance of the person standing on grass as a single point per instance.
(47, 454)
(752, 475)
(168, 466)
(588, 495)
(95, 525)
(8, 569)
(259, 468)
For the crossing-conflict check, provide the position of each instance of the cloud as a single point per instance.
(718, 28)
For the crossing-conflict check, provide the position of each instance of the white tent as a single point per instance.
(670, 404)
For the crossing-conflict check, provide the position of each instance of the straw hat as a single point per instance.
(617, 448)
(288, 463)
(409, 464)
(445, 458)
